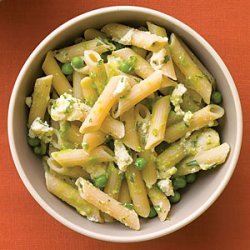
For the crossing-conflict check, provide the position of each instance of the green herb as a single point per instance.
(166, 59)
(130, 206)
(128, 65)
(192, 163)
(100, 62)
(155, 132)
(157, 208)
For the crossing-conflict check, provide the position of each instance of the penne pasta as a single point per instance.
(137, 191)
(149, 173)
(124, 196)
(77, 91)
(196, 79)
(130, 36)
(200, 119)
(97, 69)
(66, 54)
(74, 172)
(71, 196)
(142, 68)
(40, 98)
(90, 34)
(160, 202)
(131, 138)
(102, 106)
(92, 140)
(204, 160)
(78, 157)
(88, 90)
(161, 60)
(139, 92)
(60, 82)
(161, 109)
(107, 204)
(113, 127)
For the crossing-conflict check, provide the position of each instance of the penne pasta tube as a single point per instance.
(92, 140)
(40, 98)
(90, 34)
(139, 92)
(196, 79)
(113, 186)
(200, 119)
(198, 63)
(78, 157)
(141, 52)
(66, 54)
(199, 141)
(204, 160)
(107, 204)
(60, 82)
(161, 109)
(113, 127)
(149, 172)
(124, 196)
(142, 68)
(74, 172)
(70, 195)
(161, 59)
(130, 36)
(131, 138)
(160, 202)
(173, 118)
(102, 106)
(137, 191)
(77, 91)
(89, 93)
(96, 68)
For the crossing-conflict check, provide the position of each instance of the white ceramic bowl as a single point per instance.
(201, 194)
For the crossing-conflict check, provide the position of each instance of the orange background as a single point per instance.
(24, 224)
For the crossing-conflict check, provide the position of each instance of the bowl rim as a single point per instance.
(161, 232)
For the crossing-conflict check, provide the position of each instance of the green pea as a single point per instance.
(179, 182)
(33, 142)
(77, 62)
(140, 163)
(101, 181)
(67, 69)
(152, 213)
(191, 178)
(216, 97)
(176, 198)
(37, 150)
(43, 148)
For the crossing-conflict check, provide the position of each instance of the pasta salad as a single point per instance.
(123, 120)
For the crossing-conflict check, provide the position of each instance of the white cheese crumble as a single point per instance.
(187, 118)
(157, 60)
(28, 101)
(69, 108)
(122, 157)
(123, 86)
(41, 130)
(126, 39)
(166, 187)
(176, 98)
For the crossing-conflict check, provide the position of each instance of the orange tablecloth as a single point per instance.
(24, 224)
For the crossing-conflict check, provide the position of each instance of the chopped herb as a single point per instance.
(128, 205)
(192, 163)
(157, 208)
(85, 145)
(100, 62)
(155, 132)
(166, 59)
(128, 65)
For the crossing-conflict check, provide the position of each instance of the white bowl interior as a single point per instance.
(199, 196)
